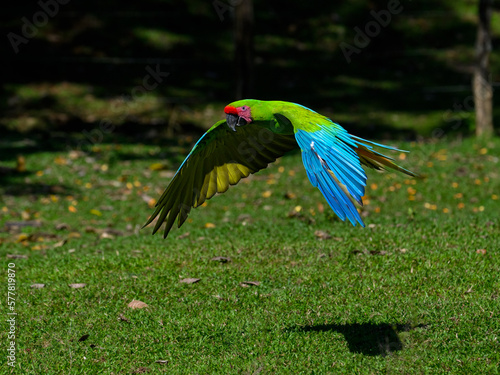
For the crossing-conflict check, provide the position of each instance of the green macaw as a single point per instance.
(254, 134)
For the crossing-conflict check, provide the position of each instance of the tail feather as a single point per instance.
(373, 159)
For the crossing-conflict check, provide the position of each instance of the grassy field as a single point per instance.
(415, 292)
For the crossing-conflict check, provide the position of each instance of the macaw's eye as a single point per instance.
(244, 108)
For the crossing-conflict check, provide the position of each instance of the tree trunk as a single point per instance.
(244, 48)
(481, 85)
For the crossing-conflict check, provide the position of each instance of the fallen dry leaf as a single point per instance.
(76, 154)
(78, 285)
(322, 235)
(62, 226)
(22, 237)
(184, 235)
(39, 247)
(267, 194)
(17, 256)
(244, 219)
(481, 251)
(158, 167)
(162, 361)
(141, 370)
(21, 163)
(150, 201)
(107, 235)
(37, 286)
(247, 283)
(297, 213)
(59, 244)
(95, 212)
(135, 304)
(190, 280)
(221, 259)
(114, 232)
(123, 318)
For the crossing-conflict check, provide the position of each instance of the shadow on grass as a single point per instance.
(366, 338)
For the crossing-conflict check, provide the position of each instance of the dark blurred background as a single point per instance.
(155, 70)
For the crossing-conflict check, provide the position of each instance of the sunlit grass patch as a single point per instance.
(281, 283)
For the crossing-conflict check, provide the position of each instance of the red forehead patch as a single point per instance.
(229, 109)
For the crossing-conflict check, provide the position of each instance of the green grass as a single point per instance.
(415, 292)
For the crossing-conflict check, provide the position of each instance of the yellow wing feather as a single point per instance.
(222, 157)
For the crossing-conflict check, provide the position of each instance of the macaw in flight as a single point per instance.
(256, 133)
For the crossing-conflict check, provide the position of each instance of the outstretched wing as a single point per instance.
(333, 160)
(221, 157)
(334, 168)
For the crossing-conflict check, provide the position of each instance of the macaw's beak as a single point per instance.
(233, 121)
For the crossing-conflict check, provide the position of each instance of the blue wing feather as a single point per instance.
(327, 153)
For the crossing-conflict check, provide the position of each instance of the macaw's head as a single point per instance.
(241, 113)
